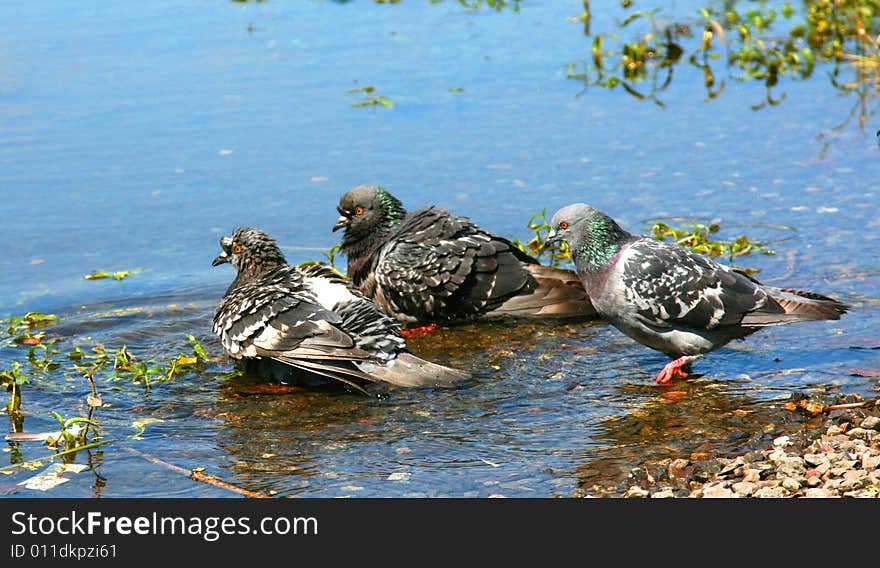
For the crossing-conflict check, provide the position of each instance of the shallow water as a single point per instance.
(132, 137)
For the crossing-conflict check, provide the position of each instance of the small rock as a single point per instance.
(815, 459)
(730, 469)
(751, 475)
(678, 469)
(870, 463)
(792, 467)
(854, 479)
(717, 491)
(770, 493)
(860, 433)
(662, 494)
(818, 492)
(636, 492)
(744, 487)
(782, 441)
(791, 484)
(871, 423)
(834, 430)
(777, 455)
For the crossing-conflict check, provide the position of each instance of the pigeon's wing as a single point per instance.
(671, 286)
(276, 318)
(438, 266)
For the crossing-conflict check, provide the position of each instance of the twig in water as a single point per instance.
(196, 475)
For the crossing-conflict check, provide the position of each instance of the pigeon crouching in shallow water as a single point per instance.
(672, 299)
(430, 266)
(302, 324)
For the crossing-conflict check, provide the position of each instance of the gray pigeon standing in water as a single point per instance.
(300, 324)
(672, 299)
(430, 266)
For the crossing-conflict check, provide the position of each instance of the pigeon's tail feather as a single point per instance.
(333, 370)
(407, 370)
(796, 305)
(558, 293)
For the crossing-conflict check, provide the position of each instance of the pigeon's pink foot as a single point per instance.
(675, 369)
(418, 331)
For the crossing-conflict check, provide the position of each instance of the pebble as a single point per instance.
(782, 441)
(663, 494)
(771, 493)
(678, 468)
(744, 487)
(870, 423)
(637, 492)
(717, 491)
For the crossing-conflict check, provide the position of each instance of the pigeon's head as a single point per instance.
(249, 250)
(592, 236)
(571, 224)
(365, 209)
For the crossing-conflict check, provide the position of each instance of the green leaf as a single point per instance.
(198, 349)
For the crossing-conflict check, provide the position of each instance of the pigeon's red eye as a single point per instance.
(359, 211)
(563, 225)
(237, 249)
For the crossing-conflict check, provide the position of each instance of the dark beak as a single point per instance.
(222, 258)
(341, 222)
(552, 238)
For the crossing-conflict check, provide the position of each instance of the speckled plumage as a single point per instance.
(432, 266)
(670, 298)
(295, 324)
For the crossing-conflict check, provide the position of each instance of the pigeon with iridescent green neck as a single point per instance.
(430, 266)
(671, 299)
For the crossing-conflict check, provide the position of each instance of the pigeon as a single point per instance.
(307, 324)
(430, 266)
(671, 299)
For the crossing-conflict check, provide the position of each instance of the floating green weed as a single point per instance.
(119, 275)
(370, 98)
(698, 238)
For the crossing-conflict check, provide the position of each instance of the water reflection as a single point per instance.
(740, 42)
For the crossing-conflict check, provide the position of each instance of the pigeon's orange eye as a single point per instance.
(359, 211)
(563, 225)
(237, 249)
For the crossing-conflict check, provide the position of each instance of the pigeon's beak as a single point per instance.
(221, 259)
(341, 222)
(551, 238)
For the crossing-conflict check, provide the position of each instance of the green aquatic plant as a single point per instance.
(329, 261)
(739, 41)
(699, 238)
(13, 379)
(73, 434)
(118, 275)
(19, 330)
(370, 98)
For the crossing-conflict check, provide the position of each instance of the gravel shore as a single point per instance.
(841, 461)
